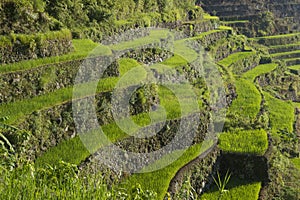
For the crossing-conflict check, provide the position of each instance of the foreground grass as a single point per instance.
(63, 181)
(237, 190)
(248, 141)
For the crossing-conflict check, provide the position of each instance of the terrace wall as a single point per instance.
(17, 47)
(286, 13)
(198, 173)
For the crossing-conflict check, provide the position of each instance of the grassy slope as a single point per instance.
(154, 37)
(295, 67)
(168, 100)
(238, 190)
(231, 59)
(282, 54)
(248, 141)
(159, 180)
(281, 113)
(168, 172)
(247, 104)
(278, 36)
(82, 50)
(63, 151)
(18, 110)
(249, 98)
(296, 162)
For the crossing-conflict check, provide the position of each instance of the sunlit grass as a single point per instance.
(238, 190)
(247, 141)
(158, 181)
(19, 109)
(82, 49)
(154, 37)
(259, 70)
(113, 132)
(296, 162)
(233, 58)
(247, 104)
(281, 113)
(295, 67)
(289, 54)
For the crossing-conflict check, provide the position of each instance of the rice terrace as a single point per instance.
(150, 99)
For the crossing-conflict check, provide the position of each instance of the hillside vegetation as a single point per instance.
(213, 110)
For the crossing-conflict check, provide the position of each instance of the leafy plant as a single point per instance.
(221, 184)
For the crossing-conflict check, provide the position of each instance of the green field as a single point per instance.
(248, 141)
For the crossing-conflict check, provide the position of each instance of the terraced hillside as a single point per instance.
(61, 122)
(256, 18)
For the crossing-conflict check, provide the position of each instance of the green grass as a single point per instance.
(296, 162)
(281, 113)
(182, 103)
(175, 61)
(296, 104)
(155, 36)
(82, 50)
(235, 22)
(181, 48)
(201, 35)
(227, 28)
(278, 36)
(259, 70)
(74, 151)
(246, 141)
(238, 190)
(285, 54)
(174, 109)
(126, 64)
(178, 101)
(209, 17)
(295, 67)
(29, 182)
(247, 104)
(233, 58)
(158, 181)
(63, 181)
(285, 46)
(294, 61)
(19, 109)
